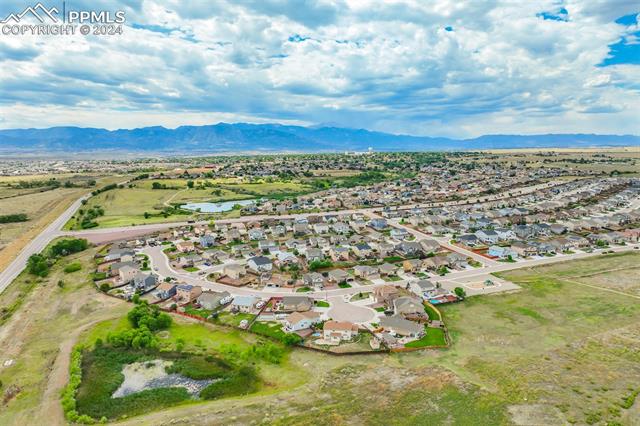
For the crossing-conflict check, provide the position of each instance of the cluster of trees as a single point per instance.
(68, 246)
(53, 183)
(12, 218)
(39, 264)
(87, 217)
(320, 264)
(145, 320)
(158, 185)
(104, 189)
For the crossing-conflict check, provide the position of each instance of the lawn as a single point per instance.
(322, 304)
(431, 312)
(434, 337)
(234, 319)
(269, 329)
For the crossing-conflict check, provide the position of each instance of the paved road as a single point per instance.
(114, 234)
(37, 245)
(160, 262)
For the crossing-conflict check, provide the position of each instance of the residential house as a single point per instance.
(411, 265)
(409, 248)
(407, 306)
(244, 304)
(234, 270)
(127, 273)
(339, 254)
(487, 236)
(296, 303)
(386, 294)
(297, 321)
(313, 279)
(398, 326)
(502, 252)
(213, 300)
(185, 246)
(259, 264)
(422, 288)
(468, 240)
(207, 240)
(338, 331)
(338, 276)
(387, 269)
(430, 246)
(165, 291)
(366, 272)
(185, 293)
(363, 250)
(145, 282)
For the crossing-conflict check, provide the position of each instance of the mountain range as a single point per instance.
(244, 137)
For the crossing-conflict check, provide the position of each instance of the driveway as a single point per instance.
(344, 311)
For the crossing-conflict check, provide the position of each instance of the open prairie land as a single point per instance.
(41, 205)
(128, 205)
(564, 349)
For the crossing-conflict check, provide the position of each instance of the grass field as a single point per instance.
(41, 208)
(127, 206)
(552, 353)
(38, 337)
(562, 350)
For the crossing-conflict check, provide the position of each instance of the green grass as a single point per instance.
(344, 285)
(269, 329)
(381, 309)
(360, 296)
(554, 343)
(431, 312)
(203, 313)
(304, 290)
(72, 267)
(322, 304)
(192, 269)
(234, 319)
(434, 337)
(101, 376)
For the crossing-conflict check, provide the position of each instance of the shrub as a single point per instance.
(38, 265)
(72, 267)
(241, 382)
(69, 246)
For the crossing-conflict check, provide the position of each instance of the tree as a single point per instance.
(459, 291)
(38, 265)
(190, 184)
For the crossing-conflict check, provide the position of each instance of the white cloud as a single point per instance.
(439, 68)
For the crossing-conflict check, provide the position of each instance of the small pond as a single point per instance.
(140, 376)
(224, 206)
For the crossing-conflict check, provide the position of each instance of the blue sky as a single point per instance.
(439, 68)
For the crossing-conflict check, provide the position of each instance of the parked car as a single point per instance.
(244, 323)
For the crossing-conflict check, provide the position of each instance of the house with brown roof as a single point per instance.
(339, 331)
(386, 294)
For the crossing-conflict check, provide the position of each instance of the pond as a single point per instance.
(140, 376)
(224, 206)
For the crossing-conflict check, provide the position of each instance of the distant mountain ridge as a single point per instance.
(244, 137)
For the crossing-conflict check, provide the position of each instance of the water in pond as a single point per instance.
(140, 376)
(216, 207)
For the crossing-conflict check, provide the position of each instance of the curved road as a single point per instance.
(113, 234)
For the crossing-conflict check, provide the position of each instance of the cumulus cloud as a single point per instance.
(435, 68)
